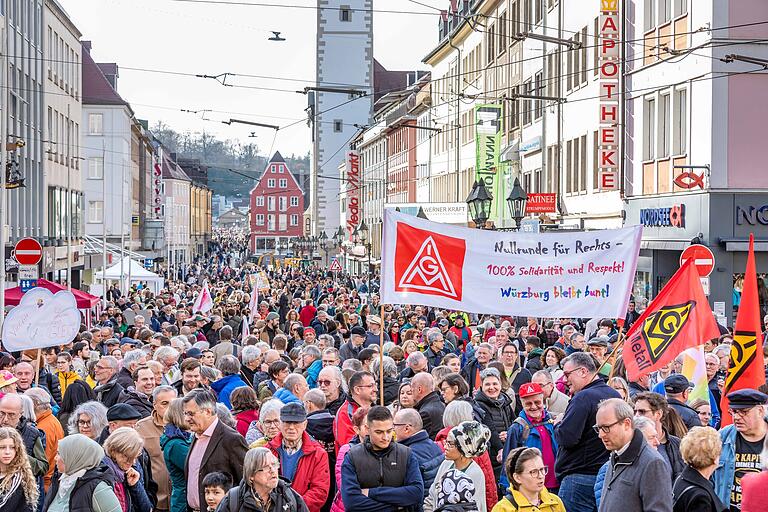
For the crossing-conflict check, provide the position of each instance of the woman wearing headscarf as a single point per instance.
(18, 486)
(460, 482)
(83, 483)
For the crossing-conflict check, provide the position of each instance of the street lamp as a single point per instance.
(363, 232)
(479, 203)
(517, 200)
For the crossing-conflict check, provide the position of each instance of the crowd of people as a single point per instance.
(318, 398)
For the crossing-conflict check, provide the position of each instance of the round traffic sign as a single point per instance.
(702, 256)
(28, 251)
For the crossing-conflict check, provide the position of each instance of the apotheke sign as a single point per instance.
(674, 216)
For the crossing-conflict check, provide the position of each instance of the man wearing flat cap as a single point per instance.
(742, 444)
(373, 335)
(677, 387)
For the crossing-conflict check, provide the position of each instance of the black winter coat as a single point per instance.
(110, 393)
(283, 499)
(694, 493)
(431, 409)
(498, 416)
(672, 450)
(391, 387)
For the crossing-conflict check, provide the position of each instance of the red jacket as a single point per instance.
(307, 314)
(312, 479)
(754, 498)
(244, 420)
(484, 461)
(342, 424)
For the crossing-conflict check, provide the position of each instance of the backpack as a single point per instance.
(527, 428)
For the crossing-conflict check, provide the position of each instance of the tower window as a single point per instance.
(337, 125)
(345, 13)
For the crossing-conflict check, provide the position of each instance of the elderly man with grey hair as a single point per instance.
(250, 357)
(12, 416)
(436, 350)
(293, 390)
(215, 446)
(310, 364)
(230, 379)
(151, 428)
(416, 363)
(330, 382)
(169, 357)
(131, 360)
(391, 384)
(108, 391)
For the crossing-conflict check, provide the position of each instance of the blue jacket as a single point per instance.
(312, 372)
(224, 387)
(515, 440)
(428, 455)
(382, 499)
(723, 475)
(599, 483)
(580, 451)
(714, 421)
(286, 396)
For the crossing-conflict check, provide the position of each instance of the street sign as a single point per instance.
(703, 259)
(148, 262)
(28, 272)
(335, 266)
(28, 251)
(27, 284)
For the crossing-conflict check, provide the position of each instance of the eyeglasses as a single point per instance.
(605, 428)
(402, 424)
(269, 468)
(734, 412)
(643, 412)
(270, 422)
(83, 423)
(568, 374)
(365, 385)
(324, 382)
(539, 472)
(11, 415)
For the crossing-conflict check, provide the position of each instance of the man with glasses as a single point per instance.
(637, 478)
(580, 452)
(108, 391)
(331, 357)
(303, 460)
(11, 416)
(364, 486)
(742, 444)
(329, 382)
(713, 375)
(215, 446)
(471, 371)
(362, 393)
(556, 400)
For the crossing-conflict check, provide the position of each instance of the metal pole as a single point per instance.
(122, 227)
(104, 222)
(69, 207)
(3, 159)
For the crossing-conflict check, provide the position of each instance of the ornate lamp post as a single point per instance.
(517, 200)
(479, 203)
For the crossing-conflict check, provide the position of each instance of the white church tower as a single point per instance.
(344, 61)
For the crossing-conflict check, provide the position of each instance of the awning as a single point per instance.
(742, 245)
(511, 153)
(664, 245)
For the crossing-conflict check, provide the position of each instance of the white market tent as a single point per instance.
(137, 273)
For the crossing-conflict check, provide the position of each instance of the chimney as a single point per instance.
(110, 72)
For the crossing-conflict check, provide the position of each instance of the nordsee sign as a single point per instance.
(673, 216)
(752, 215)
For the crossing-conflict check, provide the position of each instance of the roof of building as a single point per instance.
(277, 157)
(172, 170)
(385, 80)
(96, 88)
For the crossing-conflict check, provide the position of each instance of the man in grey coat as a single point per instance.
(637, 478)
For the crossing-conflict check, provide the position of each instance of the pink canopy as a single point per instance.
(84, 300)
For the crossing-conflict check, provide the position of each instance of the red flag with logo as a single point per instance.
(746, 369)
(677, 319)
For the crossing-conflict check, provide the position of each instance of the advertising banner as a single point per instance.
(489, 126)
(353, 191)
(541, 203)
(567, 274)
(447, 213)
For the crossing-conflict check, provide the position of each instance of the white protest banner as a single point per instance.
(565, 274)
(41, 320)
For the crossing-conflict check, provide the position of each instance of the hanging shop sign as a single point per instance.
(157, 187)
(489, 126)
(609, 68)
(353, 191)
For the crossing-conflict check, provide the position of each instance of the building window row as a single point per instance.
(665, 124)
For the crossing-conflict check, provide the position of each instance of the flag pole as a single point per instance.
(614, 354)
(381, 356)
(39, 367)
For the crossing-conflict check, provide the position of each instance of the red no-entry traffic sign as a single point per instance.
(28, 251)
(702, 256)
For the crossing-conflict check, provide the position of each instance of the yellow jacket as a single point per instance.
(67, 378)
(549, 503)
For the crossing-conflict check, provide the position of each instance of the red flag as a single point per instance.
(746, 369)
(678, 318)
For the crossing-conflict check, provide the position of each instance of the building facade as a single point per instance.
(177, 189)
(277, 206)
(344, 55)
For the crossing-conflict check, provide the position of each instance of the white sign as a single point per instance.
(447, 213)
(41, 320)
(28, 272)
(574, 274)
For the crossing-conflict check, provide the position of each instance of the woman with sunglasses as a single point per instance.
(527, 473)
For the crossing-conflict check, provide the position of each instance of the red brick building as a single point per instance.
(277, 206)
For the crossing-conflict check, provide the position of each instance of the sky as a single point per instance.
(163, 37)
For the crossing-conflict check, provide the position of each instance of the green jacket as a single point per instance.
(175, 445)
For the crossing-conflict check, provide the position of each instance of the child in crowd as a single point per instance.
(216, 485)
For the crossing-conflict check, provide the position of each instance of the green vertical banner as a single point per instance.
(489, 126)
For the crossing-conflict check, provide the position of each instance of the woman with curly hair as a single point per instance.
(18, 487)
